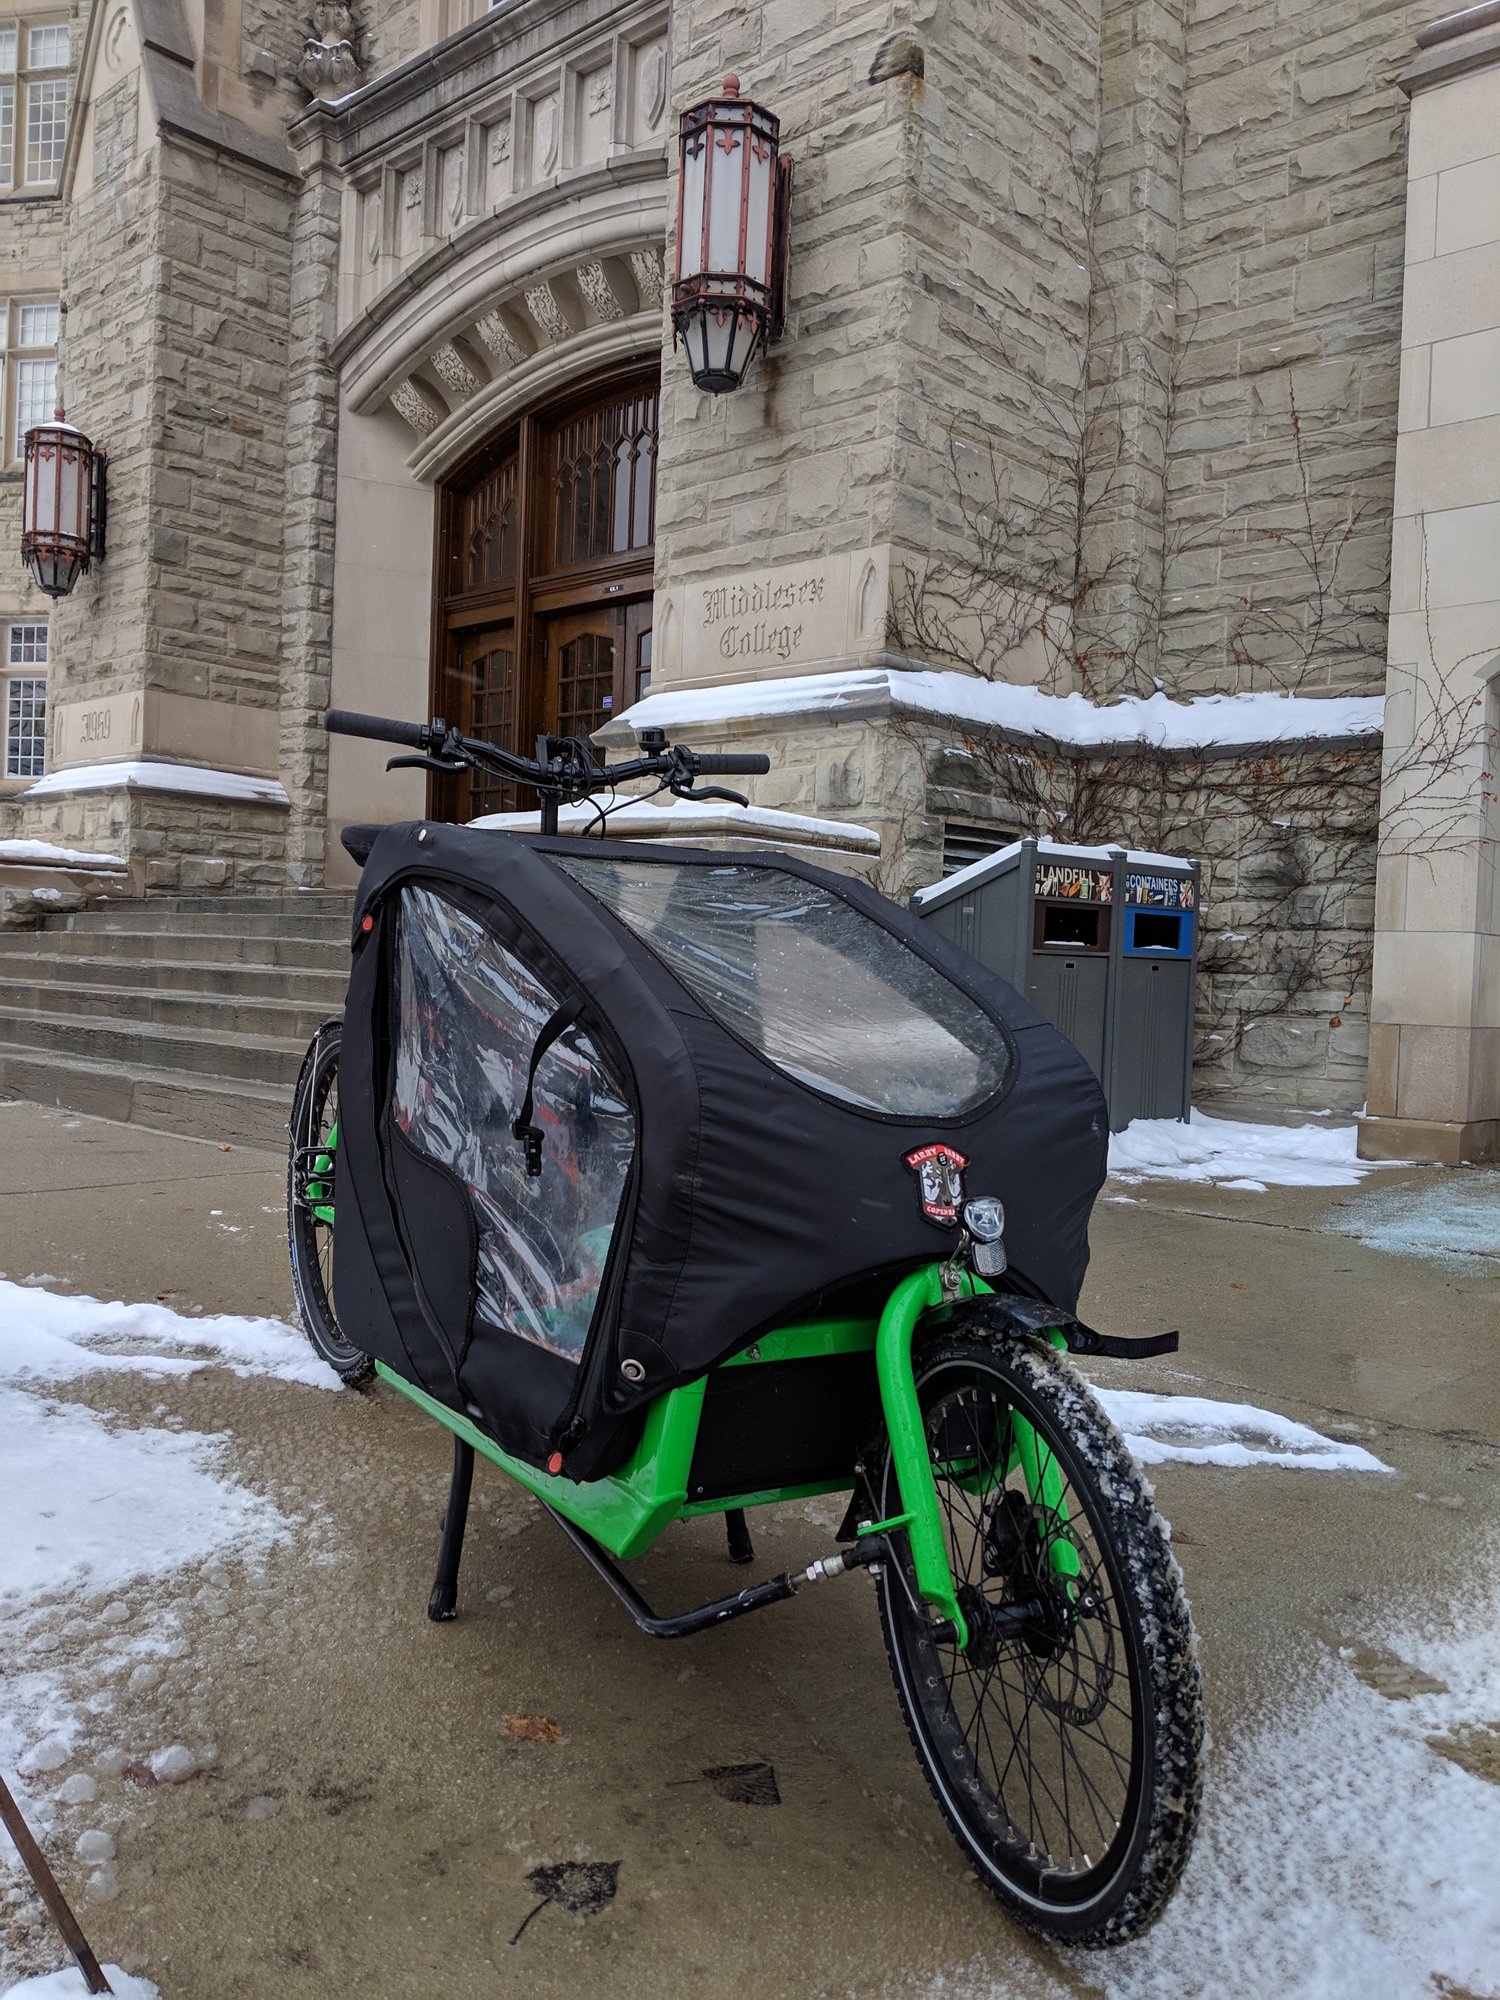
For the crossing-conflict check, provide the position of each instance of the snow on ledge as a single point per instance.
(43, 854)
(144, 775)
(1225, 721)
(690, 818)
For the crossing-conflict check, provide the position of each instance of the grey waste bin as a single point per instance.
(1102, 941)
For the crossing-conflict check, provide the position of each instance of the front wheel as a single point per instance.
(1063, 1742)
(311, 1172)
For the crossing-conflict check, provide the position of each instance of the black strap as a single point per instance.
(531, 1135)
(1118, 1346)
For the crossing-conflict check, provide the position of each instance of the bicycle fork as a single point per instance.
(921, 1514)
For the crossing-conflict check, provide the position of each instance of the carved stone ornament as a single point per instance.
(599, 93)
(413, 190)
(497, 337)
(456, 373)
(329, 66)
(541, 303)
(408, 401)
(500, 144)
(647, 269)
(596, 288)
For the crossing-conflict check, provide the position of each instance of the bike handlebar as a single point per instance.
(748, 764)
(412, 735)
(571, 771)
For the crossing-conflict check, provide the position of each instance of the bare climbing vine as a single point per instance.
(1042, 593)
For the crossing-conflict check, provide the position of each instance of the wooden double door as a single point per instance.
(543, 619)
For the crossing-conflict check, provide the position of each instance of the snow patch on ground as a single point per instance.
(1456, 1222)
(48, 1338)
(70, 1985)
(87, 1508)
(1192, 1430)
(1339, 1856)
(98, 1514)
(1236, 1154)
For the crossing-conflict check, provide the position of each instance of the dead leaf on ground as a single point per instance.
(745, 1784)
(582, 1888)
(138, 1773)
(534, 1728)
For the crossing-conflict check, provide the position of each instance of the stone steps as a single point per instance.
(205, 978)
(191, 1014)
(243, 1014)
(207, 919)
(327, 954)
(236, 1114)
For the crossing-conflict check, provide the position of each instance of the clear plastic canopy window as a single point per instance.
(818, 988)
(470, 1015)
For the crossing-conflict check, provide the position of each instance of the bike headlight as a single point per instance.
(984, 1219)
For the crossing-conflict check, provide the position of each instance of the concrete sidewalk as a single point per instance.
(393, 1857)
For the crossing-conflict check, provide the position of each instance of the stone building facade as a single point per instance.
(1118, 339)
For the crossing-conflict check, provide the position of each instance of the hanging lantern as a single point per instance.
(733, 196)
(62, 518)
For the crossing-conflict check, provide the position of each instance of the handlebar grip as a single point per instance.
(380, 728)
(749, 764)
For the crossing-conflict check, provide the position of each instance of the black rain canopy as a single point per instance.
(610, 1110)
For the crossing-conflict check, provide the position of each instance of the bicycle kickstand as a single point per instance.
(443, 1603)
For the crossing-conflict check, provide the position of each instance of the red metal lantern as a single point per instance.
(733, 198)
(62, 518)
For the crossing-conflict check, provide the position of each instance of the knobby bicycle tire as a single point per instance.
(309, 1240)
(983, 1722)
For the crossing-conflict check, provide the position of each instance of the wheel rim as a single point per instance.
(313, 1238)
(1035, 1731)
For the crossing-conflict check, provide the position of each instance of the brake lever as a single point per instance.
(444, 766)
(709, 792)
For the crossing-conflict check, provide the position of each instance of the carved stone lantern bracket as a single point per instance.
(329, 66)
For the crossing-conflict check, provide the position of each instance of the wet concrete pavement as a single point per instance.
(368, 1824)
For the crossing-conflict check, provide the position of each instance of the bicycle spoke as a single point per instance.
(1060, 1785)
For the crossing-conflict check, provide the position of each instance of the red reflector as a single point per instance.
(554, 1463)
(367, 923)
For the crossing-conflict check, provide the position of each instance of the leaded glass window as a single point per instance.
(34, 58)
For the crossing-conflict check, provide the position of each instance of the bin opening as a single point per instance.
(1154, 930)
(1075, 926)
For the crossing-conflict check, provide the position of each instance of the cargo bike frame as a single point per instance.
(1023, 1578)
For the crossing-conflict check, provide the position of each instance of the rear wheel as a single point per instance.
(1063, 1743)
(310, 1188)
